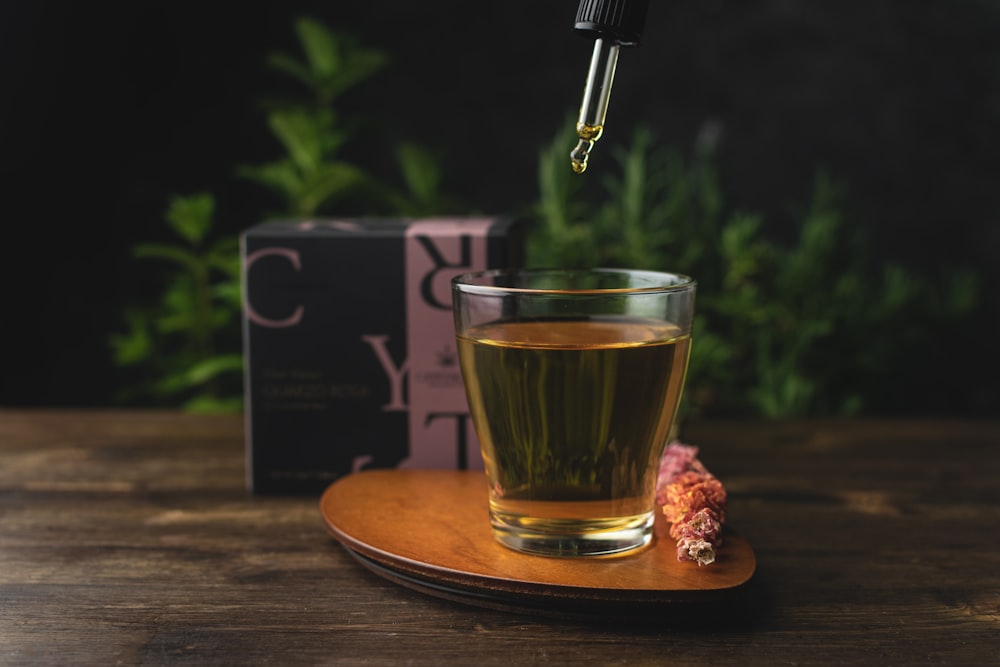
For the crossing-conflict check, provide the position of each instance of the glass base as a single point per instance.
(573, 537)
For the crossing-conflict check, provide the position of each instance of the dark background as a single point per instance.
(106, 110)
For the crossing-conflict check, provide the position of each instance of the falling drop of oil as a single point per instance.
(588, 134)
(578, 156)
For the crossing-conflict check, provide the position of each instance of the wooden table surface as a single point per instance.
(129, 538)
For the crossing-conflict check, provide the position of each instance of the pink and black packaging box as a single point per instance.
(349, 345)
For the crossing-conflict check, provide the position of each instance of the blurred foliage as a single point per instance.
(181, 347)
(312, 177)
(803, 326)
(814, 326)
(185, 350)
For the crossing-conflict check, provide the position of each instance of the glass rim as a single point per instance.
(466, 282)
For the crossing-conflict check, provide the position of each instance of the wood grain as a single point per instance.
(433, 526)
(129, 538)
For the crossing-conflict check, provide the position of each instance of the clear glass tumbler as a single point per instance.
(573, 379)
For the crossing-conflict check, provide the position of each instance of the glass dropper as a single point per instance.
(596, 95)
(615, 23)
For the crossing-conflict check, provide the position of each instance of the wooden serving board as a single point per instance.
(429, 530)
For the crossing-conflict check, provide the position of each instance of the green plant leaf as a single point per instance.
(286, 64)
(299, 132)
(179, 307)
(134, 346)
(420, 170)
(211, 404)
(281, 177)
(330, 182)
(333, 62)
(209, 369)
(228, 293)
(320, 46)
(175, 254)
(191, 217)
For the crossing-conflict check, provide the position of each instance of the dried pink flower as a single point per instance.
(692, 491)
(693, 501)
(695, 550)
(702, 525)
(677, 458)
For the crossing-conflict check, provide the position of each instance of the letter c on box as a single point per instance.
(254, 316)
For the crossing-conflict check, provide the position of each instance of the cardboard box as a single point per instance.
(349, 342)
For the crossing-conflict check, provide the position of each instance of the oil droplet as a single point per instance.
(578, 156)
(588, 135)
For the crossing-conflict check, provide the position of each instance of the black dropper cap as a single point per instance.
(619, 20)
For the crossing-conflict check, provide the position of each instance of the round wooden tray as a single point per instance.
(429, 530)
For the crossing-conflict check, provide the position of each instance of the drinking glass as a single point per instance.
(573, 379)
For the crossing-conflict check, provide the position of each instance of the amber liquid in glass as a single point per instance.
(572, 417)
